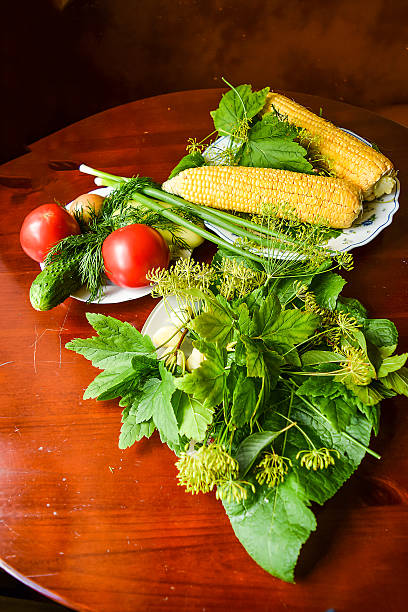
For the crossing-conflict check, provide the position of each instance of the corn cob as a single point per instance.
(312, 198)
(347, 157)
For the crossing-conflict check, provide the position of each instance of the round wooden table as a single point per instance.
(97, 528)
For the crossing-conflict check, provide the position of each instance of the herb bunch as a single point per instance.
(279, 411)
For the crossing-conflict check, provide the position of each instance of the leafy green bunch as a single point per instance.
(279, 412)
(248, 138)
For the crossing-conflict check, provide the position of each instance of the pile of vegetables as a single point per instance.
(265, 382)
(267, 389)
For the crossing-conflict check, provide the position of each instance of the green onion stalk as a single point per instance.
(243, 228)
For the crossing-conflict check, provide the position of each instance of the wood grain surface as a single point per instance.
(101, 529)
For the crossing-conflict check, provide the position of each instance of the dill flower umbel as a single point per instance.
(317, 459)
(230, 490)
(356, 368)
(202, 469)
(272, 469)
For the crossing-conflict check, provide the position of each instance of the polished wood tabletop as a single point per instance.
(102, 529)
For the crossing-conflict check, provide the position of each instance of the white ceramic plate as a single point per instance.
(377, 215)
(165, 313)
(112, 294)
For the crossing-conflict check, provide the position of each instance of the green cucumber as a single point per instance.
(54, 284)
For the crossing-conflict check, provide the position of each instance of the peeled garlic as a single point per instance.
(194, 360)
(167, 336)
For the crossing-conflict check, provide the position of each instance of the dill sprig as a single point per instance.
(118, 211)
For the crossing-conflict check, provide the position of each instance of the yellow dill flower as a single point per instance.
(272, 469)
(202, 469)
(317, 459)
(356, 368)
(230, 490)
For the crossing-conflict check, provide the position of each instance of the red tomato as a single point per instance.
(43, 227)
(130, 252)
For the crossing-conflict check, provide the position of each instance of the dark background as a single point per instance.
(63, 60)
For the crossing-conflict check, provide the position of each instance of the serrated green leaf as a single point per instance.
(254, 359)
(273, 528)
(115, 346)
(397, 381)
(327, 288)
(381, 332)
(108, 385)
(392, 364)
(132, 431)
(214, 326)
(293, 326)
(243, 401)
(237, 104)
(193, 418)
(353, 307)
(206, 383)
(265, 316)
(279, 153)
(145, 408)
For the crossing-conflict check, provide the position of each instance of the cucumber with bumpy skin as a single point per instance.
(54, 284)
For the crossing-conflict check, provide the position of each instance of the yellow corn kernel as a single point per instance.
(346, 156)
(312, 198)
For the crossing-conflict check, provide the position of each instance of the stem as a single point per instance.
(343, 433)
(221, 218)
(142, 199)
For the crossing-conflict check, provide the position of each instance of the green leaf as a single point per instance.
(293, 326)
(238, 104)
(192, 160)
(274, 528)
(214, 326)
(132, 431)
(193, 417)
(353, 307)
(115, 346)
(269, 147)
(316, 357)
(265, 316)
(327, 288)
(381, 332)
(272, 524)
(206, 383)
(397, 381)
(145, 408)
(250, 448)
(108, 385)
(254, 359)
(163, 413)
(391, 364)
(244, 401)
